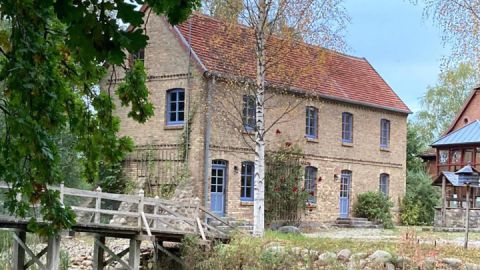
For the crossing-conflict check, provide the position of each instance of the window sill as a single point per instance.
(311, 205)
(246, 203)
(173, 127)
(248, 132)
(311, 140)
(347, 144)
(384, 149)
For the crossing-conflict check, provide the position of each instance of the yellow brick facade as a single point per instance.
(166, 63)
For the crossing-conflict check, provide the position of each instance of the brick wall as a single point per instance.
(166, 63)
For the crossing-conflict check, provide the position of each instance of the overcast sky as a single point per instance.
(403, 47)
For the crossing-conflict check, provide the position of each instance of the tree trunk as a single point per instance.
(259, 183)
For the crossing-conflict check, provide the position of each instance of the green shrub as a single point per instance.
(420, 199)
(375, 206)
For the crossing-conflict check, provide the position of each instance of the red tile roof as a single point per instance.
(229, 50)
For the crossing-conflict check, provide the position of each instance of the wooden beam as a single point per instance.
(119, 255)
(134, 254)
(200, 228)
(113, 255)
(39, 255)
(171, 255)
(29, 252)
(98, 253)
(444, 201)
(18, 254)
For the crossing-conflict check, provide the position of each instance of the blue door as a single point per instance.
(217, 187)
(345, 182)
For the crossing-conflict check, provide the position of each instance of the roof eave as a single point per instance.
(295, 90)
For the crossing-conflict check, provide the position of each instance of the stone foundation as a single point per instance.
(455, 218)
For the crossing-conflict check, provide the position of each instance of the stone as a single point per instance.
(356, 264)
(403, 262)
(275, 249)
(326, 258)
(471, 266)
(429, 264)
(389, 266)
(289, 229)
(344, 255)
(453, 263)
(358, 256)
(380, 256)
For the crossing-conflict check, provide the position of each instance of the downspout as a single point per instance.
(206, 144)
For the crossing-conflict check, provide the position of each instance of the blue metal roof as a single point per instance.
(469, 134)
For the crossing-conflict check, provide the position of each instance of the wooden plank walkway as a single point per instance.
(151, 219)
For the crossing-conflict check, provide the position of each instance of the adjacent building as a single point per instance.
(349, 124)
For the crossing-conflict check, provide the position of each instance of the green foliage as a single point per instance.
(53, 54)
(244, 253)
(64, 260)
(285, 199)
(374, 206)
(420, 199)
(441, 102)
(415, 146)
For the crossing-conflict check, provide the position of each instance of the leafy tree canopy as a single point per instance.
(53, 54)
(442, 102)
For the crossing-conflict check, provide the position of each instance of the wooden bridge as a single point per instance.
(145, 219)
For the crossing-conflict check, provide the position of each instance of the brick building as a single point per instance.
(348, 122)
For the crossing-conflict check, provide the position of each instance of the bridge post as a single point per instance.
(98, 253)
(98, 204)
(18, 254)
(134, 254)
(53, 252)
(141, 193)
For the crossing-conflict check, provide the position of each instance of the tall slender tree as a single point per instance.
(278, 26)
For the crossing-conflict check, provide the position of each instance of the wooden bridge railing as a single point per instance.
(150, 215)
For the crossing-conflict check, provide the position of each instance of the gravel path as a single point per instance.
(392, 235)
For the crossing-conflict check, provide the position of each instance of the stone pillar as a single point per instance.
(444, 201)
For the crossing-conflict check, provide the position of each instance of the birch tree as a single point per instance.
(459, 21)
(278, 27)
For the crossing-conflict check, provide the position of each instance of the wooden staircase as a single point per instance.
(352, 222)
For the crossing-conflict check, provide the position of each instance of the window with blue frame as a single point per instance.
(175, 106)
(384, 183)
(248, 113)
(384, 133)
(311, 183)
(311, 117)
(247, 176)
(347, 127)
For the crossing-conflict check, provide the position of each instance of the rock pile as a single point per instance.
(379, 259)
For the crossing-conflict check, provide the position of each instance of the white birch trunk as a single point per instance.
(259, 190)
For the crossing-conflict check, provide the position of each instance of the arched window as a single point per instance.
(347, 127)
(247, 185)
(384, 183)
(311, 117)
(248, 112)
(311, 183)
(175, 106)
